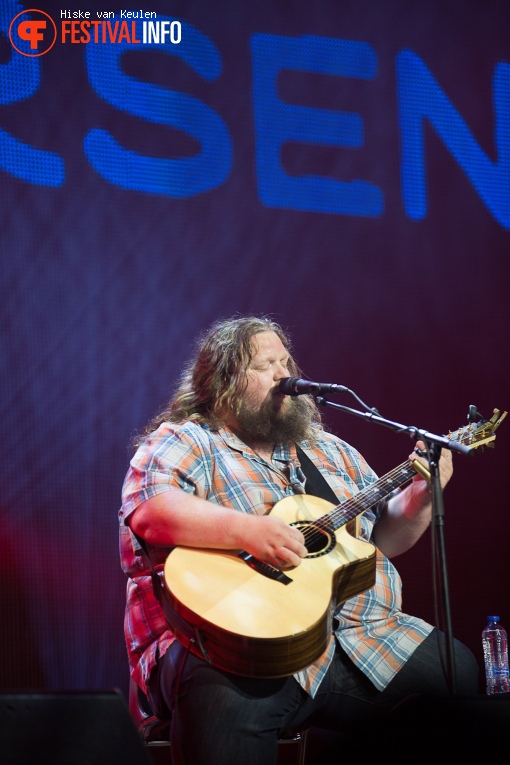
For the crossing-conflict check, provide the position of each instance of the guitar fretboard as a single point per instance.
(380, 489)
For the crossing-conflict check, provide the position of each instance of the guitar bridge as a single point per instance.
(264, 568)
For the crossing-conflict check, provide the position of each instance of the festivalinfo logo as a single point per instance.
(34, 32)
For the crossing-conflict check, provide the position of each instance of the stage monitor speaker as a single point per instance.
(68, 728)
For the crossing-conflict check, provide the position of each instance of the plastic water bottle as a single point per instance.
(495, 655)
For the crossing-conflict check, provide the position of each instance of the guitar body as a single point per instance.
(250, 624)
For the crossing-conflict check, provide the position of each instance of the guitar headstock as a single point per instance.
(477, 435)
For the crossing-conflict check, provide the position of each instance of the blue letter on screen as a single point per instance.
(420, 98)
(277, 122)
(19, 79)
(176, 178)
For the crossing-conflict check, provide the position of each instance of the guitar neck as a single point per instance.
(475, 435)
(380, 489)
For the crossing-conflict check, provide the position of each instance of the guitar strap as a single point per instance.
(141, 547)
(316, 484)
(187, 636)
(159, 592)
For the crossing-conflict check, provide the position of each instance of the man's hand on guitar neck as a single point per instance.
(408, 513)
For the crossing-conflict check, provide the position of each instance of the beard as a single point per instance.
(266, 424)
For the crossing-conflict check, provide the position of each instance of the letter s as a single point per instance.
(128, 169)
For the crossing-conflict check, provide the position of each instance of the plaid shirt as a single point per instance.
(217, 466)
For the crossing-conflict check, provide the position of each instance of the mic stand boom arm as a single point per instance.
(434, 444)
(417, 433)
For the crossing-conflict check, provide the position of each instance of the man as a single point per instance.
(206, 474)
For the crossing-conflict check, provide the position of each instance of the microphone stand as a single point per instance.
(439, 554)
(434, 444)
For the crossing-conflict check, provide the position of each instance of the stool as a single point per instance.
(155, 732)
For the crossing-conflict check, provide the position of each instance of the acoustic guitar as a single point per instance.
(249, 618)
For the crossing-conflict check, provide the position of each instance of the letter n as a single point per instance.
(421, 98)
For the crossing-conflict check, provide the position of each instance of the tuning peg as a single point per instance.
(473, 413)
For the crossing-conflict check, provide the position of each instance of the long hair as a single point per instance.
(214, 381)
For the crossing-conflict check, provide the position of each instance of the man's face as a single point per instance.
(267, 367)
(266, 414)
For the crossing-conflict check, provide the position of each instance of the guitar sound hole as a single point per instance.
(317, 541)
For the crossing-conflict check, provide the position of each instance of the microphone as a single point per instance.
(295, 386)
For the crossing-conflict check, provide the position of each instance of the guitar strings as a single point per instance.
(350, 508)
